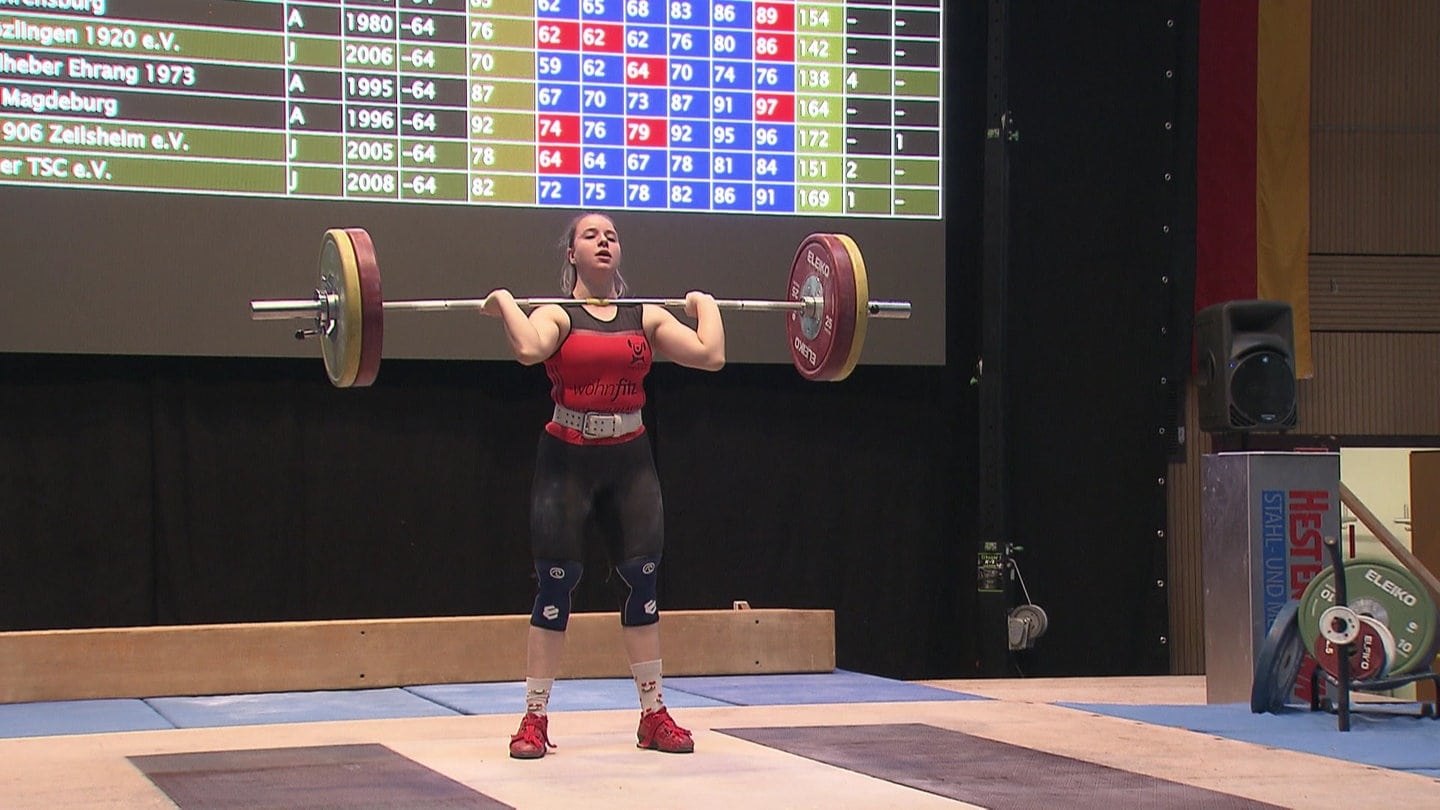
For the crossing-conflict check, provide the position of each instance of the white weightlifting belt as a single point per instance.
(597, 425)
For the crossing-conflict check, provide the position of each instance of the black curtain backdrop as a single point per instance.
(161, 490)
(176, 491)
(1101, 188)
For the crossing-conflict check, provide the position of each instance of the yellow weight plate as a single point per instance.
(340, 277)
(861, 303)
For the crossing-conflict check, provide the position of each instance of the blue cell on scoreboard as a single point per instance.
(601, 130)
(774, 198)
(730, 165)
(774, 168)
(644, 163)
(776, 78)
(557, 97)
(557, 190)
(611, 10)
(689, 165)
(645, 101)
(645, 193)
(731, 14)
(686, 12)
(730, 75)
(689, 73)
(775, 138)
(557, 67)
(602, 192)
(691, 196)
(689, 42)
(645, 40)
(730, 197)
(731, 45)
(689, 104)
(602, 100)
(646, 11)
(725, 106)
(557, 9)
(608, 162)
(602, 69)
(732, 136)
(689, 134)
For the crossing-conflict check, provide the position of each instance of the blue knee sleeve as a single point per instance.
(558, 579)
(641, 606)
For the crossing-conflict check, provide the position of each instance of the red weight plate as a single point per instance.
(372, 306)
(1367, 655)
(821, 342)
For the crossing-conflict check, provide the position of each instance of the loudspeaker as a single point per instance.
(1245, 366)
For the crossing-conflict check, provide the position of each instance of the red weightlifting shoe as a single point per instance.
(532, 738)
(658, 732)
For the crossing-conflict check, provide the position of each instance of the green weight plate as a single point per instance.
(1386, 592)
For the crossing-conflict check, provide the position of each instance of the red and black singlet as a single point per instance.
(600, 366)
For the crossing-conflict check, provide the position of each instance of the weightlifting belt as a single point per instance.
(597, 425)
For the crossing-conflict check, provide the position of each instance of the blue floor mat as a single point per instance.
(78, 717)
(591, 694)
(295, 707)
(839, 686)
(1383, 738)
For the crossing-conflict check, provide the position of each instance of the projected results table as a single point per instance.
(767, 106)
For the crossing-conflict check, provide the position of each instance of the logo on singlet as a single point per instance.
(638, 349)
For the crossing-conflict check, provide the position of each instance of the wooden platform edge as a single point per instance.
(223, 659)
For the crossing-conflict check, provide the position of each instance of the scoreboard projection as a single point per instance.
(794, 107)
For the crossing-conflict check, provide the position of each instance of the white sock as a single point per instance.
(647, 684)
(537, 694)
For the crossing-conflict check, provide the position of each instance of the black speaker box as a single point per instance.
(1245, 366)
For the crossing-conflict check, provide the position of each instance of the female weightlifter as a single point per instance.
(594, 462)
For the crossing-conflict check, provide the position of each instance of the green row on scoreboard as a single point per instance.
(832, 194)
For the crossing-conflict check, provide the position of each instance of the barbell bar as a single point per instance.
(279, 310)
(827, 307)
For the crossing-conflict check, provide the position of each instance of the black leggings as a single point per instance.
(613, 484)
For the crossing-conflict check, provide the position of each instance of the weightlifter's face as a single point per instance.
(596, 244)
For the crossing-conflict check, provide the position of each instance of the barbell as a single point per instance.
(827, 307)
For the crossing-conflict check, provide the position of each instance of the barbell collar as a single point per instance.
(285, 310)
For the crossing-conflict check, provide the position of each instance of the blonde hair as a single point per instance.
(567, 267)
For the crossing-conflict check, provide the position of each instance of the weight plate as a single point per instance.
(859, 302)
(1367, 654)
(1387, 641)
(372, 306)
(823, 342)
(1386, 592)
(1339, 625)
(1279, 661)
(340, 282)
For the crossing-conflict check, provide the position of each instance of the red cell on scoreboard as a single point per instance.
(645, 70)
(557, 128)
(558, 160)
(775, 107)
(557, 35)
(774, 17)
(602, 38)
(774, 47)
(645, 132)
